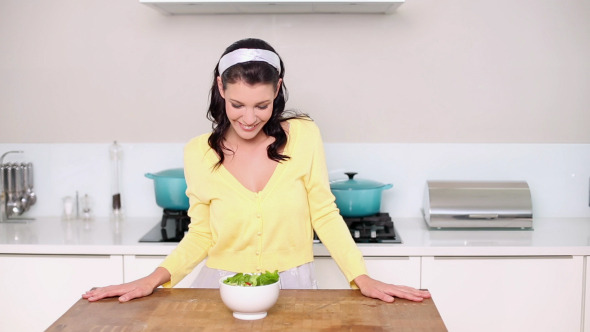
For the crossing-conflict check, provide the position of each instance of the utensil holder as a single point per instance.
(17, 195)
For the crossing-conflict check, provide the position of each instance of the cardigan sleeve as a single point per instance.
(325, 216)
(194, 246)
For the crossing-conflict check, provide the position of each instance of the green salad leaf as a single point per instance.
(245, 279)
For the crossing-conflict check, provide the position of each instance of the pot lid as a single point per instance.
(355, 184)
(171, 173)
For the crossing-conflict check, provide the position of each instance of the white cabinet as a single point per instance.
(139, 266)
(506, 293)
(395, 270)
(586, 304)
(38, 289)
(534, 293)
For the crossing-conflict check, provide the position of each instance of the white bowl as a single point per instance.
(249, 303)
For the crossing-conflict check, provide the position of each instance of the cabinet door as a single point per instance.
(395, 270)
(38, 289)
(136, 267)
(506, 293)
(587, 297)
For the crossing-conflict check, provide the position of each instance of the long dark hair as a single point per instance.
(251, 72)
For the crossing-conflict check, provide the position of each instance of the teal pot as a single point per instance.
(170, 189)
(358, 197)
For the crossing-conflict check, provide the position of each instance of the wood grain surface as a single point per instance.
(296, 310)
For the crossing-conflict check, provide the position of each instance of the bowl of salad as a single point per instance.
(250, 296)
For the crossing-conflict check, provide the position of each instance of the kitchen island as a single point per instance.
(480, 279)
(296, 310)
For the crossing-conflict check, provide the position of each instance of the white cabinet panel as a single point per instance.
(586, 305)
(394, 270)
(38, 289)
(506, 293)
(136, 267)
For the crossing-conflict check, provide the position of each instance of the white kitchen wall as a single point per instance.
(441, 89)
(558, 174)
(435, 71)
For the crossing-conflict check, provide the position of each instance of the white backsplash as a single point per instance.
(558, 174)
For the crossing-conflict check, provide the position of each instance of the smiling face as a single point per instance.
(248, 108)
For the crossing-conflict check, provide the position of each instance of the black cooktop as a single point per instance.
(377, 228)
(171, 228)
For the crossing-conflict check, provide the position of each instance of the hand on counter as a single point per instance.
(131, 290)
(379, 290)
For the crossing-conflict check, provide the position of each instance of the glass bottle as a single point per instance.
(116, 154)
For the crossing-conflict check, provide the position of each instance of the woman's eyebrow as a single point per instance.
(257, 104)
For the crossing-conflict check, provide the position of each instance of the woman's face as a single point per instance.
(248, 107)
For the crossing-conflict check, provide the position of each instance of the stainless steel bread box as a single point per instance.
(478, 204)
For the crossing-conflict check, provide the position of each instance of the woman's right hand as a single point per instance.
(130, 290)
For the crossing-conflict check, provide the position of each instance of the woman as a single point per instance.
(258, 189)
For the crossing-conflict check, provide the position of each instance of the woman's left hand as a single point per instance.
(386, 292)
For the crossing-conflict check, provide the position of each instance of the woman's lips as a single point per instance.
(246, 127)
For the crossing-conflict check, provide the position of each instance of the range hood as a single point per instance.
(478, 204)
(169, 7)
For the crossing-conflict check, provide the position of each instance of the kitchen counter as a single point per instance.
(453, 264)
(295, 310)
(51, 235)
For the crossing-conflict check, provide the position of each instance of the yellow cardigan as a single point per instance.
(244, 231)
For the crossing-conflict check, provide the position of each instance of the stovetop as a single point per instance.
(378, 228)
(171, 228)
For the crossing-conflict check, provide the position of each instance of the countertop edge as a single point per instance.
(551, 237)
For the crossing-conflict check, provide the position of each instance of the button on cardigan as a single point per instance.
(244, 231)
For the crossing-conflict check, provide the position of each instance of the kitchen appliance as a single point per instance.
(478, 204)
(170, 189)
(358, 197)
(171, 228)
(378, 228)
(16, 189)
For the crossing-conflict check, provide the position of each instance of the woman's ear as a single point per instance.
(278, 87)
(220, 87)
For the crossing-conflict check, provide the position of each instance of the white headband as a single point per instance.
(248, 54)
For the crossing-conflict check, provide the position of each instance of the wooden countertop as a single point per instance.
(297, 310)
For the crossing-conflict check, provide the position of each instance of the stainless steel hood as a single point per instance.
(478, 204)
(204, 7)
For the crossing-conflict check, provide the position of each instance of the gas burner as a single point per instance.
(377, 228)
(171, 228)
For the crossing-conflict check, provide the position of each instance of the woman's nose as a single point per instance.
(249, 116)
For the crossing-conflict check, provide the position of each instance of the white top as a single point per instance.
(551, 236)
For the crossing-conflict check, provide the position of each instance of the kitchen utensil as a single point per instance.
(358, 197)
(249, 303)
(13, 204)
(4, 175)
(20, 186)
(170, 189)
(30, 184)
(14, 198)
